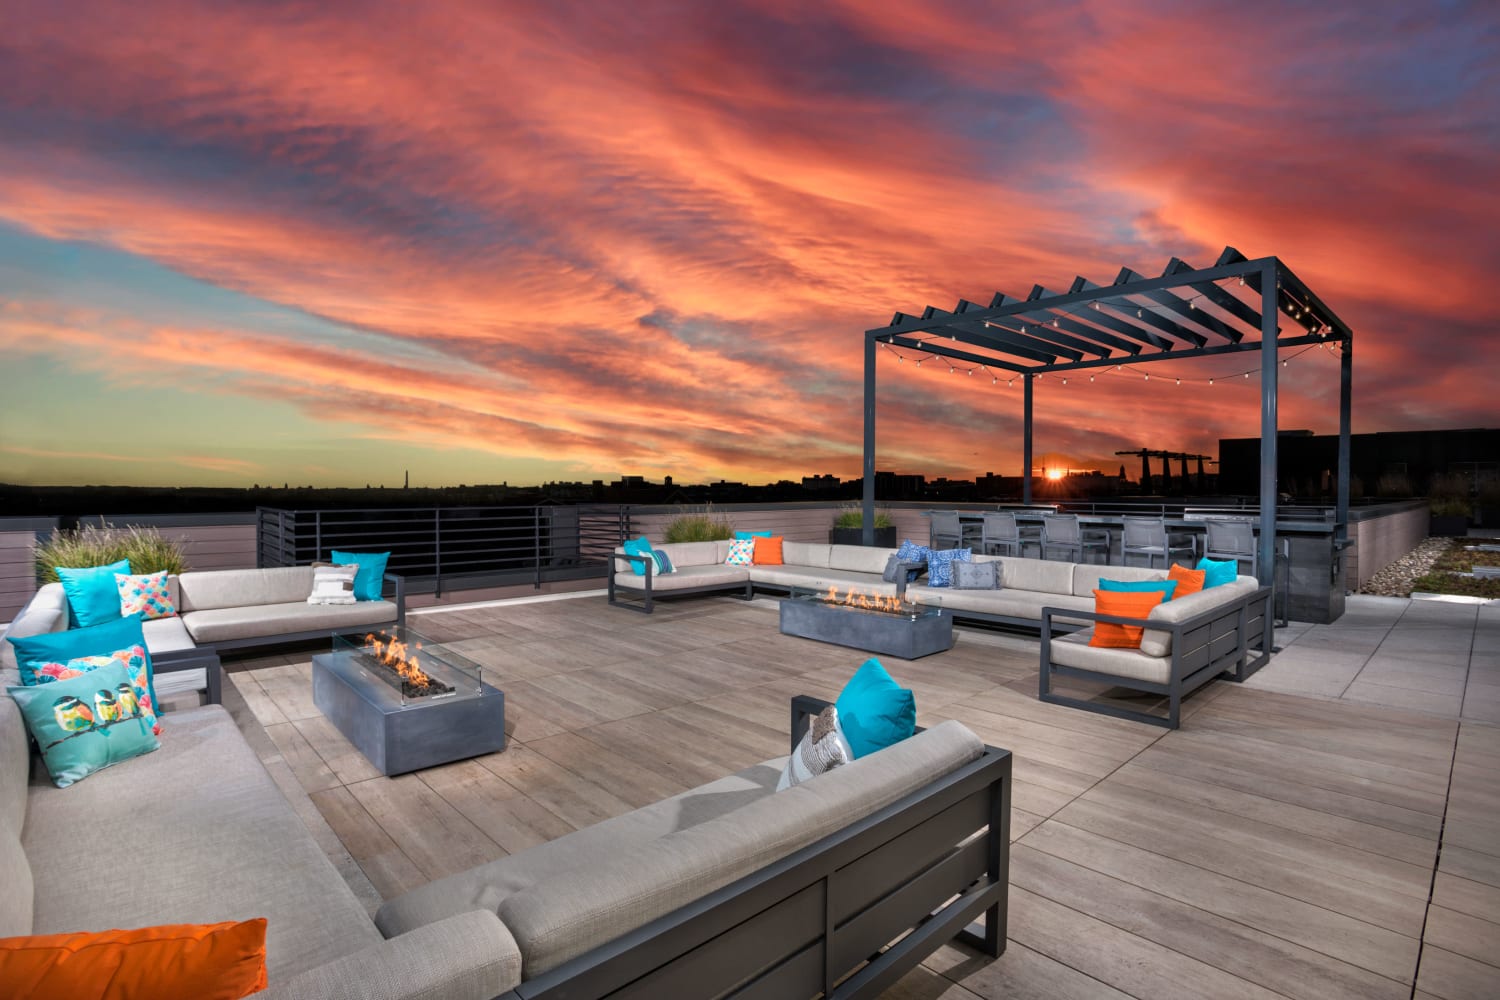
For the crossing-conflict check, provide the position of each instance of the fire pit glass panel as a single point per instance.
(868, 622)
(415, 668)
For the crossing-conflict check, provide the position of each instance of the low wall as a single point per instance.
(1380, 536)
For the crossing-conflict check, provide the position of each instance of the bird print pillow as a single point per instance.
(133, 659)
(85, 723)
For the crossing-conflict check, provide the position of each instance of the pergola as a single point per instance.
(1237, 305)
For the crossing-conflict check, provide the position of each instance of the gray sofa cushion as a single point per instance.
(256, 620)
(16, 898)
(486, 886)
(618, 891)
(1007, 602)
(237, 588)
(813, 554)
(1155, 642)
(1041, 575)
(219, 842)
(687, 577)
(166, 635)
(1074, 651)
(468, 955)
(47, 611)
(858, 558)
(15, 759)
(1086, 576)
(816, 578)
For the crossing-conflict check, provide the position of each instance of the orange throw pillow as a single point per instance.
(172, 962)
(1189, 581)
(767, 551)
(1126, 605)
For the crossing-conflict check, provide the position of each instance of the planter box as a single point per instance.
(1447, 526)
(885, 538)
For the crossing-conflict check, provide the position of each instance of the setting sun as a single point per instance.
(1054, 474)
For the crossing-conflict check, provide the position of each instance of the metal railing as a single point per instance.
(451, 546)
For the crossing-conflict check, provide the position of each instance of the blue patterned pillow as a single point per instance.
(663, 562)
(911, 552)
(940, 565)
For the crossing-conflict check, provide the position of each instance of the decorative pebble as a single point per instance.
(1396, 579)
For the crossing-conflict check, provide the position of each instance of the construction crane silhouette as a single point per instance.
(1166, 468)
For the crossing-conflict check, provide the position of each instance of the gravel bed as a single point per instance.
(1397, 578)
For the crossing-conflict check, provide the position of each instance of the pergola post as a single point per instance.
(1026, 440)
(868, 519)
(1346, 381)
(1266, 550)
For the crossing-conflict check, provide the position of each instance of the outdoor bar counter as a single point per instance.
(1310, 573)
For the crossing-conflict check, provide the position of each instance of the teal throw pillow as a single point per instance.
(1167, 587)
(93, 598)
(741, 536)
(371, 576)
(81, 725)
(1218, 572)
(940, 565)
(33, 651)
(638, 547)
(875, 711)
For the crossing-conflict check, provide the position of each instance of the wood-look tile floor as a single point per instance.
(1275, 846)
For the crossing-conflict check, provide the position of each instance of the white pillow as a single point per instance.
(333, 584)
(822, 748)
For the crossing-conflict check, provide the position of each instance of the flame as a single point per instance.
(867, 601)
(399, 657)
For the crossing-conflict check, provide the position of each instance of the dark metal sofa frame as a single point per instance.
(825, 920)
(1215, 643)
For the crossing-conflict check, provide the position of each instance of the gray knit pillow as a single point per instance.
(822, 748)
(976, 576)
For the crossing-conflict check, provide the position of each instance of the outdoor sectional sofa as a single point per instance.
(220, 610)
(729, 889)
(1224, 631)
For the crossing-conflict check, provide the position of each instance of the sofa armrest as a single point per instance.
(468, 955)
(399, 595)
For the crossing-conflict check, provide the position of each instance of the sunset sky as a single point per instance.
(488, 241)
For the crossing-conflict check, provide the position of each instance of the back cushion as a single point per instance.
(1086, 576)
(691, 553)
(813, 554)
(1155, 642)
(18, 899)
(567, 915)
(858, 558)
(244, 588)
(1043, 576)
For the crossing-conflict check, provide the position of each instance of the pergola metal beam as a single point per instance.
(1145, 314)
(1053, 334)
(1219, 297)
(932, 347)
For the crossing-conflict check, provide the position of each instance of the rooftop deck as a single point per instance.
(1298, 837)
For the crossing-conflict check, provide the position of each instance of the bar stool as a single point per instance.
(1000, 534)
(1062, 531)
(1148, 536)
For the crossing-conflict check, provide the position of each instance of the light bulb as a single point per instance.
(1139, 313)
(1179, 381)
(1283, 364)
(1065, 381)
(1247, 374)
(994, 380)
(919, 362)
(1242, 281)
(1091, 378)
(1023, 327)
(971, 371)
(1054, 323)
(1192, 303)
(1210, 381)
(1094, 304)
(1147, 377)
(900, 359)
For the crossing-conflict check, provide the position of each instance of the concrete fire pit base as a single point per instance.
(905, 636)
(398, 738)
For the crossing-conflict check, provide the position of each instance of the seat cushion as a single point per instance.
(1007, 602)
(813, 554)
(258, 620)
(688, 577)
(166, 635)
(485, 887)
(1074, 651)
(238, 588)
(819, 578)
(222, 842)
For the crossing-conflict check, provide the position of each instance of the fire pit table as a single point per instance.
(867, 622)
(406, 701)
